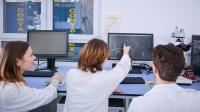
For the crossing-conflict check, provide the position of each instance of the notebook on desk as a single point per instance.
(183, 81)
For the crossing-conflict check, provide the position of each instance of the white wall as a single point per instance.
(159, 17)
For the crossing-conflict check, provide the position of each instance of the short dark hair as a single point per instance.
(92, 55)
(169, 60)
(9, 71)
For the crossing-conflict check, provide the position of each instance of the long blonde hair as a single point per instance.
(9, 71)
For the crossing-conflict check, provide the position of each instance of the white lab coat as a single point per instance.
(17, 97)
(89, 92)
(167, 98)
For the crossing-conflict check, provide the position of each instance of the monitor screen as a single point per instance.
(48, 44)
(141, 45)
(195, 54)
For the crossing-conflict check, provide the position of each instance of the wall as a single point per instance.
(159, 17)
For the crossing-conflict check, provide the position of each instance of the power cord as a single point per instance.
(38, 64)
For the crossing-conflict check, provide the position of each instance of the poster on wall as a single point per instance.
(66, 16)
(73, 51)
(15, 14)
(20, 16)
(111, 23)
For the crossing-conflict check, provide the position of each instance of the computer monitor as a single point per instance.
(195, 54)
(48, 44)
(141, 45)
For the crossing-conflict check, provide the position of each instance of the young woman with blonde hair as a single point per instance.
(15, 58)
(89, 86)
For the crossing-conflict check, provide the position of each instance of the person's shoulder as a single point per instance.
(11, 88)
(140, 100)
(143, 104)
(136, 103)
(191, 91)
(72, 70)
(17, 85)
(13, 84)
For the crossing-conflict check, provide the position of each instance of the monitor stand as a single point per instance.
(51, 64)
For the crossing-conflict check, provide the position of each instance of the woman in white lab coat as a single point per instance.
(15, 58)
(89, 87)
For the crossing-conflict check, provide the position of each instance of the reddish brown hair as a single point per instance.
(9, 71)
(169, 60)
(92, 55)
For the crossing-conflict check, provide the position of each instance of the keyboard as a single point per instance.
(135, 71)
(38, 73)
(133, 80)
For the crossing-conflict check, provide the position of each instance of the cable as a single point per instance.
(38, 64)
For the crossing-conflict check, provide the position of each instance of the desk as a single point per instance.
(129, 90)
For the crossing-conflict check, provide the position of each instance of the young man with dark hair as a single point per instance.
(166, 95)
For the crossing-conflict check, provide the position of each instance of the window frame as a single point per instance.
(47, 23)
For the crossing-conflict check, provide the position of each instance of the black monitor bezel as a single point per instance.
(194, 37)
(141, 59)
(50, 55)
